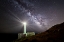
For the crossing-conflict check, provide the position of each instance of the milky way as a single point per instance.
(40, 15)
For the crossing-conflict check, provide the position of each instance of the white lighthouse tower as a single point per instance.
(25, 34)
(24, 23)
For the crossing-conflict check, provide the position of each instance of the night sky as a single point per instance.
(40, 15)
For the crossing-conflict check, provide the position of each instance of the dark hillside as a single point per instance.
(54, 34)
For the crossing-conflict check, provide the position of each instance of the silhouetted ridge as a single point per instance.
(54, 34)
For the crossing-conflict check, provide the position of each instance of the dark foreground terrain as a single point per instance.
(8, 37)
(54, 34)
